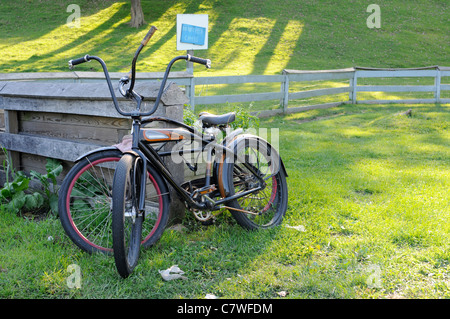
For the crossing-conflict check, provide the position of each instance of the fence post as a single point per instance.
(437, 84)
(354, 84)
(12, 127)
(285, 92)
(191, 93)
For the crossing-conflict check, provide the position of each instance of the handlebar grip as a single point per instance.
(205, 62)
(72, 63)
(148, 35)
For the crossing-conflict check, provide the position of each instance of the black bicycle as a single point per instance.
(118, 201)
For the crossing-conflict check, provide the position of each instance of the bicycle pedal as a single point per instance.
(207, 189)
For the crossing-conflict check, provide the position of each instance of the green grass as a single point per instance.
(370, 186)
(250, 37)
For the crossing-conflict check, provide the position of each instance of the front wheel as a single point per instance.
(127, 224)
(266, 207)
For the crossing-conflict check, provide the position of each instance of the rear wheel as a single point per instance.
(266, 207)
(84, 203)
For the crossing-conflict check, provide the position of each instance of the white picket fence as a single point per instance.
(353, 75)
(286, 93)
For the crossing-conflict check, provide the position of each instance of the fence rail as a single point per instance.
(287, 92)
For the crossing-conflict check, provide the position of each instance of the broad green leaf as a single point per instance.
(53, 202)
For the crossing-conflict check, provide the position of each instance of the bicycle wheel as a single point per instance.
(127, 226)
(267, 207)
(85, 204)
(126, 223)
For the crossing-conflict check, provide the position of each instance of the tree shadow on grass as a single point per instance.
(222, 20)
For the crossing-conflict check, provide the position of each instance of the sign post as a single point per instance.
(192, 34)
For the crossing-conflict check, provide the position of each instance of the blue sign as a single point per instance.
(192, 34)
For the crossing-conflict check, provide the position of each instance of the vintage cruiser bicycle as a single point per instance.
(117, 202)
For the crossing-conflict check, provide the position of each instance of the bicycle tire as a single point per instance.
(126, 223)
(268, 205)
(90, 229)
(126, 240)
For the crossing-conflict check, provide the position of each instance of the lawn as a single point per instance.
(369, 193)
(250, 37)
(369, 188)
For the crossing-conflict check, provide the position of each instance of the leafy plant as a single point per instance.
(189, 116)
(13, 194)
(244, 119)
(16, 196)
(53, 168)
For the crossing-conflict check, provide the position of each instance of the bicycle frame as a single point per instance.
(150, 155)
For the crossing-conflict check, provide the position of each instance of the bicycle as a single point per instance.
(117, 202)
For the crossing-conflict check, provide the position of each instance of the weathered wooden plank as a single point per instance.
(416, 101)
(445, 87)
(2, 120)
(92, 108)
(139, 75)
(92, 134)
(12, 127)
(29, 76)
(346, 70)
(86, 75)
(354, 86)
(320, 76)
(37, 163)
(395, 73)
(437, 86)
(285, 92)
(89, 91)
(45, 146)
(318, 92)
(239, 79)
(75, 120)
(11, 121)
(396, 88)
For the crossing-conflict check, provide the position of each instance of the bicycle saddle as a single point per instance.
(209, 119)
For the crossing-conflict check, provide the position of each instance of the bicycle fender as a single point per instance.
(274, 153)
(226, 162)
(101, 149)
(153, 166)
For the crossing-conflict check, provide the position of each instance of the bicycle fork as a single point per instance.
(139, 170)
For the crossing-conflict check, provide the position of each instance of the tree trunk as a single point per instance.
(137, 15)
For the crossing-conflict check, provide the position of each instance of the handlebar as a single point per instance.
(130, 93)
(148, 35)
(72, 63)
(205, 62)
